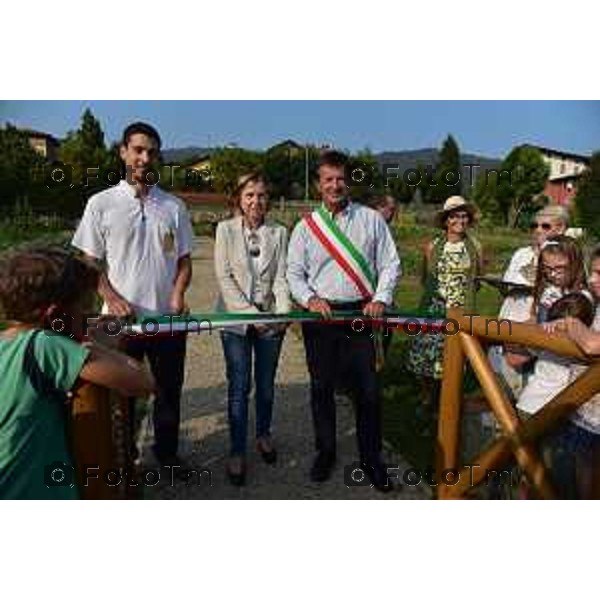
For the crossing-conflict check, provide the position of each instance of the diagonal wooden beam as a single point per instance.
(560, 407)
(525, 453)
(533, 336)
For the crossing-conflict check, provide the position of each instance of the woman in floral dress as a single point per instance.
(451, 262)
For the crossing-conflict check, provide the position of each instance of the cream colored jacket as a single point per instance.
(234, 274)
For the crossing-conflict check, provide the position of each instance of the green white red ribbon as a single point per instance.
(411, 324)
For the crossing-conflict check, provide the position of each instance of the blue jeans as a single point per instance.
(238, 351)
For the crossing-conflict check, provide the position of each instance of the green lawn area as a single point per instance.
(11, 235)
(407, 426)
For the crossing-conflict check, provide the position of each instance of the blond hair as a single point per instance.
(555, 212)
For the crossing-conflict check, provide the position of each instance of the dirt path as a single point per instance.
(204, 436)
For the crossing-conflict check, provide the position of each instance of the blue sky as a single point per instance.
(490, 128)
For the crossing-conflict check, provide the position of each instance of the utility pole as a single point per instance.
(306, 174)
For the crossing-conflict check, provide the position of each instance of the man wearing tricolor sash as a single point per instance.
(342, 257)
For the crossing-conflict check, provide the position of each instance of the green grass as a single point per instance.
(11, 235)
(407, 426)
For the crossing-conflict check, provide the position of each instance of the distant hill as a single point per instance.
(409, 159)
(405, 159)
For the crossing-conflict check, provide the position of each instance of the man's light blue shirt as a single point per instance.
(311, 270)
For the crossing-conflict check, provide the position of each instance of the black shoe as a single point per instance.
(237, 479)
(322, 467)
(378, 476)
(269, 456)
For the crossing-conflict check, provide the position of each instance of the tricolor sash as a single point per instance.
(342, 250)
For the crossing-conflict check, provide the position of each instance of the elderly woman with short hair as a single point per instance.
(550, 220)
(250, 264)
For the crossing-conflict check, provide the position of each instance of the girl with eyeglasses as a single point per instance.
(560, 271)
(559, 290)
(250, 264)
(586, 419)
(550, 220)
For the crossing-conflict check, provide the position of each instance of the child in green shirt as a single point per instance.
(39, 368)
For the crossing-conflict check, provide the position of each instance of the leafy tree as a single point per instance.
(81, 150)
(314, 154)
(84, 149)
(227, 164)
(400, 191)
(284, 167)
(18, 162)
(423, 183)
(91, 134)
(587, 199)
(448, 170)
(521, 179)
(484, 195)
(364, 176)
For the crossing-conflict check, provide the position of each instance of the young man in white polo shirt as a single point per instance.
(144, 236)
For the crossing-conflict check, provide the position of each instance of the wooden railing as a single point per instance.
(100, 442)
(518, 437)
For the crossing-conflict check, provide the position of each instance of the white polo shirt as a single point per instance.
(140, 242)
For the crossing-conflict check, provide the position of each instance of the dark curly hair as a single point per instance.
(33, 279)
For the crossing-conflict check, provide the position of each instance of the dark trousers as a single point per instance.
(166, 356)
(335, 349)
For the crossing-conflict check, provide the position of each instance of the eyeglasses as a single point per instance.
(544, 226)
(253, 245)
(554, 270)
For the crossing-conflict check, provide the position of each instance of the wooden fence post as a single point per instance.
(448, 436)
(99, 436)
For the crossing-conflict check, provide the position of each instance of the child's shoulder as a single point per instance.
(12, 340)
(50, 341)
(57, 359)
(38, 341)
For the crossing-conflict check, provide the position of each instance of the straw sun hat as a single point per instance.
(452, 204)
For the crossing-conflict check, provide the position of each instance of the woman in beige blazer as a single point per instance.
(250, 264)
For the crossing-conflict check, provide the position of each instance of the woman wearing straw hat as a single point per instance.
(451, 262)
